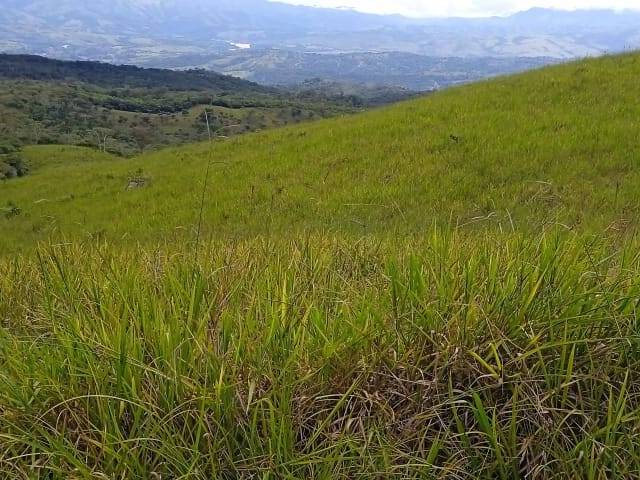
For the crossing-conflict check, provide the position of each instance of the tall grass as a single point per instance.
(447, 357)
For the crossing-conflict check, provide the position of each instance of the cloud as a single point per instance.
(418, 8)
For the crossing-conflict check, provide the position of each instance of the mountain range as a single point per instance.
(279, 43)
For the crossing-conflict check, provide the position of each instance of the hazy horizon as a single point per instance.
(464, 8)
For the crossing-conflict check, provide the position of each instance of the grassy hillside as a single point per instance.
(447, 288)
(552, 147)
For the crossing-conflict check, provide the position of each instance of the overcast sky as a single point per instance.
(418, 8)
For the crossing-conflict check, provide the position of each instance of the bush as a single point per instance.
(12, 165)
(7, 171)
(6, 149)
(12, 210)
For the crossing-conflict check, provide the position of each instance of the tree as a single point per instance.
(103, 135)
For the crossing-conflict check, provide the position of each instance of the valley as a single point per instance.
(392, 69)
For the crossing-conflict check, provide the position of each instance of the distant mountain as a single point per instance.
(198, 33)
(138, 29)
(129, 24)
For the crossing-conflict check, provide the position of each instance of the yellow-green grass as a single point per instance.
(457, 356)
(556, 146)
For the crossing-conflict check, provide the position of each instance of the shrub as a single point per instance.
(6, 171)
(12, 165)
(12, 210)
(6, 149)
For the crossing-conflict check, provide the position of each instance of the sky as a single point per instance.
(429, 8)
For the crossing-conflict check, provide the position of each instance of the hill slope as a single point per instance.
(448, 354)
(516, 153)
(125, 109)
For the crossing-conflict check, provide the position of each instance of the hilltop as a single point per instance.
(519, 153)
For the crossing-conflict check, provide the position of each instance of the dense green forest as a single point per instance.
(33, 67)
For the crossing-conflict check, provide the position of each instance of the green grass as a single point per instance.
(447, 288)
(557, 146)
